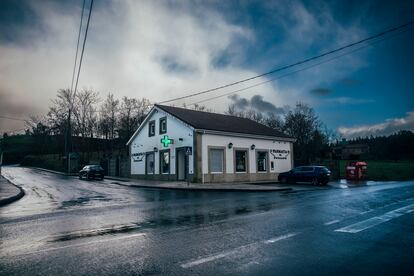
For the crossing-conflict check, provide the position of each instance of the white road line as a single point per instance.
(331, 222)
(236, 250)
(81, 244)
(365, 224)
(283, 237)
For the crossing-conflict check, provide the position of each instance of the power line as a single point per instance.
(83, 46)
(296, 63)
(296, 71)
(77, 47)
(12, 118)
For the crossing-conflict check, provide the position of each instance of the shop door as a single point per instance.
(149, 163)
(181, 164)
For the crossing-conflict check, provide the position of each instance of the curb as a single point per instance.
(203, 189)
(51, 171)
(116, 179)
(14, 198)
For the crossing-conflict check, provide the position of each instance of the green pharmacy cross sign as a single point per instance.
(166, 141)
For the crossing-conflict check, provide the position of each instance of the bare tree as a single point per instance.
(108, 119)
(144, 107)
(131, 115)
(37, 126)
(274, 121)
(303, 124)
(85, 112)
(58, 114)
(249, 114)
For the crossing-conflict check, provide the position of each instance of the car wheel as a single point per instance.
(88, 177)
(80, 177)
(283, 180)
(315, 181)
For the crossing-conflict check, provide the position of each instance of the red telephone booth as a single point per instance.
(356, 170)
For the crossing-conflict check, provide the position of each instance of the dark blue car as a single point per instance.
(313, 174)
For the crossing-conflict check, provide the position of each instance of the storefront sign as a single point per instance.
(137, 157)
(279, 154)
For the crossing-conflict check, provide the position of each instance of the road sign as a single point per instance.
(189, 151)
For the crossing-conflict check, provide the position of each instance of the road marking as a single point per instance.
(331, 222)
(234, 251)
(283, 237)
(365, 224)
(81, 244)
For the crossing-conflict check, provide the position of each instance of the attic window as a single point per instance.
(151, 128)
(163, 125)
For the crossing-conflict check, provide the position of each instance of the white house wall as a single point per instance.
(280, 165)
(142, 143)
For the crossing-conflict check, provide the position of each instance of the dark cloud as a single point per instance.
(350, 82)
(321, 91)
(172, 65)
(256, 102)
(240, 103)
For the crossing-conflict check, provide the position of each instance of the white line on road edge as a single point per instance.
(81, 244)
(365, 224)
(234, 251)
(331, 222)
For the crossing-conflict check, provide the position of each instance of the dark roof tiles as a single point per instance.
(220, 122)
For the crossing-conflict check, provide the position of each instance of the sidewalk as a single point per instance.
(9, 192)
(177, 185)
(180, 185)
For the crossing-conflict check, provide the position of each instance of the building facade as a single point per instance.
(187, 145)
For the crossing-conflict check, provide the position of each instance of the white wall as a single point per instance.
(280, 165)
(175, 130)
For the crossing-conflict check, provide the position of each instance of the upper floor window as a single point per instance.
(163, 125)
(151, 128)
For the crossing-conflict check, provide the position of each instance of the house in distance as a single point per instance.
(182, 144)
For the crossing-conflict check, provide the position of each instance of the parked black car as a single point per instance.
(91, 171)
(314, 174)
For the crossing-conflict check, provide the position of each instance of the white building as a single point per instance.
(182, 144)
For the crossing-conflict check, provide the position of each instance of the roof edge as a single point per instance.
(238, 134)
(140, 126)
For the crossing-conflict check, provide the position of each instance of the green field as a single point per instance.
(380, 170)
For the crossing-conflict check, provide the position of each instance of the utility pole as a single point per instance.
(68, 139)
(1, 160)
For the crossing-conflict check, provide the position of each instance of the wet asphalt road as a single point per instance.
(67, 226)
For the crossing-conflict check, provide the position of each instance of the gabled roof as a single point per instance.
(219, 122)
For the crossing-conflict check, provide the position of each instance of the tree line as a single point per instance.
(398, 146)
(87, 115)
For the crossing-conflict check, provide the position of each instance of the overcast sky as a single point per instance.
(164, 49)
